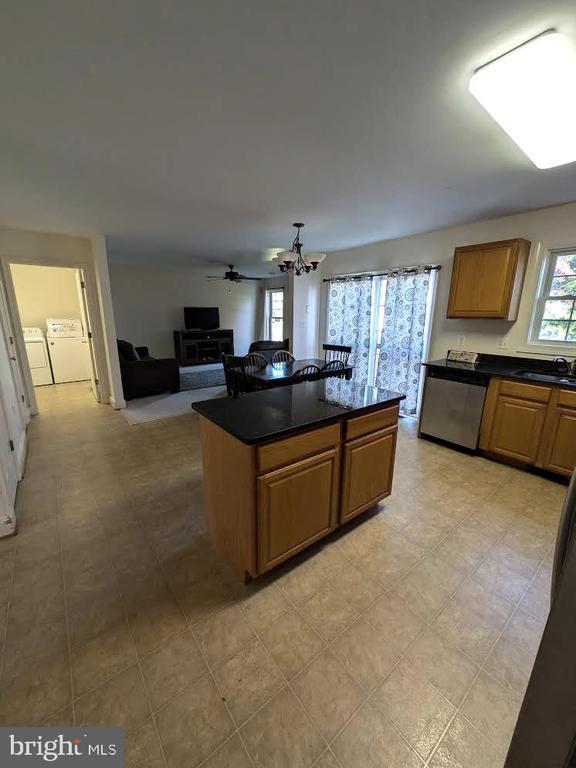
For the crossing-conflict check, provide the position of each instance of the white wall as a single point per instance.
(546, 228)
(149, 304)
(45, 292)
(306, 293)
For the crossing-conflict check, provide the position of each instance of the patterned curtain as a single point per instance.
(402, 342)
(349, 322)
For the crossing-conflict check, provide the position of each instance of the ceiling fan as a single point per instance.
(232, 276)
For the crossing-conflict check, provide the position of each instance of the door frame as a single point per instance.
(101, 392)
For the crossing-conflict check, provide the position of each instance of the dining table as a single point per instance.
(281, 373)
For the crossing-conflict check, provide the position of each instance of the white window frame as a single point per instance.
(542, 295)
(270, 292)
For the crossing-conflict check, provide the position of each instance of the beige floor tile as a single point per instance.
(443, 665)
(193, 725)
(300, 581)
(359, 590)
(281, 734)
(63, 718)
(142, 748)
(461, 626)
(491, 608)
(415, 707)
(428, 586)
(510, 664)
(525, 630)
(463, 746)
(230, 755)
(327, 760)
(370, 741)
(155, 621)
(388, 562)
(43, 689)
(329, 612)
(329, 693)
(101, 657)
(498, 575)
(364, 655)
(264, 605)
(464, 548)
(172, 668)
(537, 598)
(223, 634)
(492, 709)
(121, 702)
(394, 622)
(292, 643)
(248, 680)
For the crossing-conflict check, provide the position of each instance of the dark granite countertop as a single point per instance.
(273, 413)
(520, 368)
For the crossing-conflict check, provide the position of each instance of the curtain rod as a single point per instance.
(395, 271)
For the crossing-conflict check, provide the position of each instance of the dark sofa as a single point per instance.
(143, 375)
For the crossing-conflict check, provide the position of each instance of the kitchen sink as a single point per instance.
(556, 378)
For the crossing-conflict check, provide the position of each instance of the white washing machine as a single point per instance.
(69, 350)
(38, 359)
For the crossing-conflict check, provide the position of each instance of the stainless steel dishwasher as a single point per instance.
(453, 405)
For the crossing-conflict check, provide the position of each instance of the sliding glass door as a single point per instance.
(386, 320)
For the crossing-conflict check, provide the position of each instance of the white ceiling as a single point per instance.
(192, 131)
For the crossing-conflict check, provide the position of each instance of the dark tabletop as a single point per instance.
(271, 413)
(520, 368)
(281, 371)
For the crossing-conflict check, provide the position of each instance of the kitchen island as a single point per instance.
(284, 467)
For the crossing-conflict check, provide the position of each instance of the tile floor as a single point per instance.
(408, 641)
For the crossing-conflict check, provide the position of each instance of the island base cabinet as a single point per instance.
(297, 505)
(367, 472)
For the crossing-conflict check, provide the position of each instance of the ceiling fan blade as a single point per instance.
(215, 277)
(244, 277)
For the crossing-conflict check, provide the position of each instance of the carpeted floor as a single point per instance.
(201, 379)
(167, 406)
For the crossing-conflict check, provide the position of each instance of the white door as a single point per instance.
(87, 325)
(17, 378)
(13, 430)
(70, 359)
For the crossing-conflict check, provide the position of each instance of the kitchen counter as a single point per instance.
(282, 468)
(261, 416)
(520, 368)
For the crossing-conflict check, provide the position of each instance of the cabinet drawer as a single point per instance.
(284, 452)
(567, 397)
(363, 425)
(535, 392)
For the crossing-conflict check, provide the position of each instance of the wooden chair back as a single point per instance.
(306, 373)
(282, 356)
(336, 352)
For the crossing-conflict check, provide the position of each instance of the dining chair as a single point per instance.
(333, 366)
(235, 369)
(255, 361)
(306, 373)
(336, 352)
(282, 356)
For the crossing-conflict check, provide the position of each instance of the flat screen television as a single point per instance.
(201, 318)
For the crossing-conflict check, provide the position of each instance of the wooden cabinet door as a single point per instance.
(516, 428)
(297, 505)
(560, 441)
(487, 279)
(368, 471)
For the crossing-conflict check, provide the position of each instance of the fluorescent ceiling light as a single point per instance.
(531, 93)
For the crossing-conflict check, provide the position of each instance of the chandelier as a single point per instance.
(294, 261)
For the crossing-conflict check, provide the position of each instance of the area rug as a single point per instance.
(201, 379)
(167, 406)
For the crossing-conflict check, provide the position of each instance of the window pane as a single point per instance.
(558, 309)
(563, 286)
(276, 329)
(554, 330)
(565, 264)
(571, 332)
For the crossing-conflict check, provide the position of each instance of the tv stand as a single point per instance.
(196, 347)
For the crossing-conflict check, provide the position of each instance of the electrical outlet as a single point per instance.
(461, 340)
(503, 342)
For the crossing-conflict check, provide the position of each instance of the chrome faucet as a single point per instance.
(564, 366)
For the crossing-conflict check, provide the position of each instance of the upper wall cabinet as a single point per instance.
(487, 279)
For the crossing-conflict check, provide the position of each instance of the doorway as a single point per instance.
(55, 322)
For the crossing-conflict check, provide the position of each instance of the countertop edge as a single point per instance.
(352, 413)
(490, 371)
